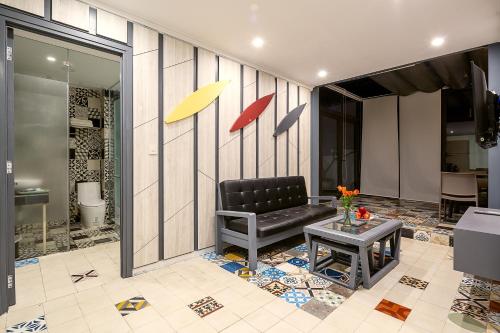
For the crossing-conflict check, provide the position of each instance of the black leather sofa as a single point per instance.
(254, 213)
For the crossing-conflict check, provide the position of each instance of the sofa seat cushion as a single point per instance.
(271, 223)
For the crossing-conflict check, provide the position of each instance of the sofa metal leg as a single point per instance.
(252, 258)
(219, 244)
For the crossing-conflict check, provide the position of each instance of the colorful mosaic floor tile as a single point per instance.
(276, 288)
(413, 282)
(393, 309)
(26, 262)
(298, 262)
(84, 276)
(273, 273)
(316, 308)
(232, 266)
(131, 305)
(295, 297)
(205, 306)
(36, 325)
(58, 240)
(476, 306)
(283, 270)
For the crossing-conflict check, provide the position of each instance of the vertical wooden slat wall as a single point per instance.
(305, 137)
(71, 12)
(293, 134)
(206, 155)
(31, 6)
(111, 26)
(249, 132)
(146, 174)
(292, 152)
(281, 145)
(178, 150)
(266, 127)
(229, 110)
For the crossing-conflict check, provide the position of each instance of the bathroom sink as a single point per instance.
(29, 191)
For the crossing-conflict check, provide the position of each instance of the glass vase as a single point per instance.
(347, 216)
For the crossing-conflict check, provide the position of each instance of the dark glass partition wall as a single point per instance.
(339, 141)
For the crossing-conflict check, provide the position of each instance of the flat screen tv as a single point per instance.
(485, 105)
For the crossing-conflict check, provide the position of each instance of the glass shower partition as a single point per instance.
(40, 148)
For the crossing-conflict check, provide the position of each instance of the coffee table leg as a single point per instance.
(313, 256)
(308, 244)
(365, 267)
(381, 253)
(354, 271)
(397, 245)
(370, 257)
(392, 245)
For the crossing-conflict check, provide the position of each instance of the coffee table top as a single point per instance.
(363, 235)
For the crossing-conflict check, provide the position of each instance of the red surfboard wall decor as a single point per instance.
(252, 112)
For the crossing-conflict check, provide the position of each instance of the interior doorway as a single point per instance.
(65, 141)
(339, 141)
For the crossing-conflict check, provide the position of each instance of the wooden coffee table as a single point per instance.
(357, 242)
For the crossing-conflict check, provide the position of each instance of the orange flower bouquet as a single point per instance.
(346, 200)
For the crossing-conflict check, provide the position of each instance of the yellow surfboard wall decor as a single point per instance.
(197, 101)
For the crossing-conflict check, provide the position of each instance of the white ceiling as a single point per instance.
(345, 37)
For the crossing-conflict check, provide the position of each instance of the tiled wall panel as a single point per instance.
(31, 6)
(305, 137)
(249, 132)
(293, 134)
(146, 174)
(178, 143)
(229, 110)
(71, 12)
(266, 127)
(206, 155)
(281, 144)
(111, 25)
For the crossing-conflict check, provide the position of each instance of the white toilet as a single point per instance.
(92, 207)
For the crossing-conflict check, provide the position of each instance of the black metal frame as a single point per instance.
(11, 18)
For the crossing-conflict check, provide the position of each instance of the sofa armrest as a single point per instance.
(251, 220)
(332, 198)
(233, 213)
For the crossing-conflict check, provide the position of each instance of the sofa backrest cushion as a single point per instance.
(261, 195)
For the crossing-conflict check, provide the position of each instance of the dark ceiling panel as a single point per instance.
(450, 71)
(364, 87)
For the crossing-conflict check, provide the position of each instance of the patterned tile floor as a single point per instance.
(283, 271)
(420, 219)
(192, 294)
(31, 244)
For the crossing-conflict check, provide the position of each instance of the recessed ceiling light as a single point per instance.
(257, 42)
(322, 73)
(437, 41)
(51, 59)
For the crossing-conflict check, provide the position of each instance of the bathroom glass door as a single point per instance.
(40, 146)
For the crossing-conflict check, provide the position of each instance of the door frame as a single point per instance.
(12, 18)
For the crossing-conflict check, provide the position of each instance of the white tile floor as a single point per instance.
(88, 306)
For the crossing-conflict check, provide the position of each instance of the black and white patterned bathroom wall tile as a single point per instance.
(93, 93)
(81, 112)
(80, 95)
(78, 170)
(71, 109)
(94, 176)
(108, 113)
(90, 148)
(94, 138)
